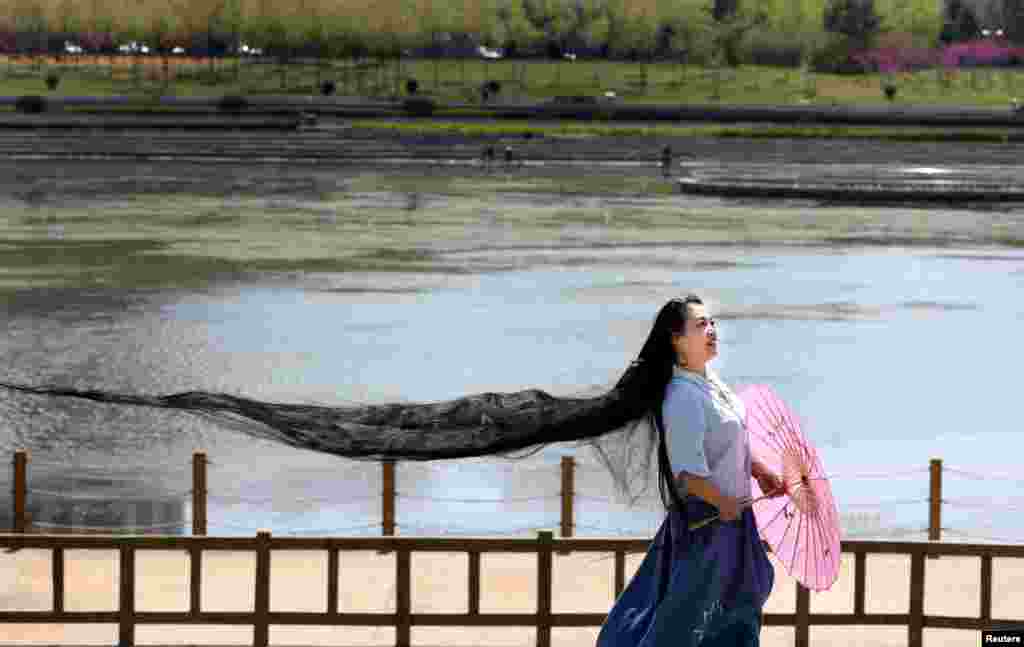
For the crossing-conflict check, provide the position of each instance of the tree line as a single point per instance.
(723, 32)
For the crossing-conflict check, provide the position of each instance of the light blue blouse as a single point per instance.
(705, 433)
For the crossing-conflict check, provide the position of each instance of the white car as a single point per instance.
(251, 51)
(133, 48)
(178, 50)
(71, 48)
(486, 52)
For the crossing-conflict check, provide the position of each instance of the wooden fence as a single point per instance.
(403, 619)
(22, 523)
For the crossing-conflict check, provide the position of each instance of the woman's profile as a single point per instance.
(706, 586)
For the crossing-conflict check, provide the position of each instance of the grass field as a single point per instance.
(461, 80)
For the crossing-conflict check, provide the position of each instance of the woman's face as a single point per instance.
(699, 341)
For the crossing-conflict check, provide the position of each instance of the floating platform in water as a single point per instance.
(857, 184)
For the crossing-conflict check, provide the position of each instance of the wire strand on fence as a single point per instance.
(478, 532)
(399, 495)
(158, 526)
(878, 504)
(92, 497)
(605, 529)
(65, 468)
(327, 531)
(982, 477)
(962, 503)
(654, 502)
(264, 500)
(878, 475)
(970, 535)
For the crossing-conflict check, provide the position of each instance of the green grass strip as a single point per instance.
(522, 129)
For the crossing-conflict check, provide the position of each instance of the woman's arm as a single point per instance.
(702, 487)
(728, 507)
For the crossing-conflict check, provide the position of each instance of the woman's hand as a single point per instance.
(729, 508)
(771, 485)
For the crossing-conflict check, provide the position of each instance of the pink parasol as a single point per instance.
(802, 527)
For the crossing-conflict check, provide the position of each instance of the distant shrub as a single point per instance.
(832, 55)
(328, 87)
(767, 47)
(889, 90)
(412, 86)
(52, 80)
(419, 106)
(855, 19)
(31, 104)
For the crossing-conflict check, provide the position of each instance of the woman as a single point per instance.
(705, 586)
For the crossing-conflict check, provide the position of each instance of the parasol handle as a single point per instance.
(745, 502)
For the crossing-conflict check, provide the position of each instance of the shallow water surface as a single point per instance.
(893, 355)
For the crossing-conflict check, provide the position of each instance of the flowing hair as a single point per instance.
(647, 383)
(623, 425)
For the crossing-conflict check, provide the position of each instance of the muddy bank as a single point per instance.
(342, 143)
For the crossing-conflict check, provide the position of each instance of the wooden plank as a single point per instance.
(108, 617)
(388, 494)
(951, 549)
(935, 500)
(112, 542)
(199, 493)
(544, 584)
(466, 620)
(195, 580)
(620, 572)
(474, 582)
(403, 606)
(454, 544)
(986, 588)
(416, 544)
(915, 627)
(261, 610)
(947, 622)
(332, 581)
(803, 611)
(126, 610)
(20, 493)
(838, 619)
(568, 479)
(859, 580)
(58, 580)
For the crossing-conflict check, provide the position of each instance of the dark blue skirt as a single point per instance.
(703, 587)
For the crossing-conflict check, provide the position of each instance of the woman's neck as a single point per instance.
(699, 370)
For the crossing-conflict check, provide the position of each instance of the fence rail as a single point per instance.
(403, 619)
(389, 495)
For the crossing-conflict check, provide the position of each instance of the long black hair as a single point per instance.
(648, 377)
(623, 424)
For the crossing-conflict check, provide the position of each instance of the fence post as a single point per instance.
(389, 497)
(935, 502)
(20, 490)
(126, 611)
(199, 493)
(568, 490)
(544, 539)
(803, 610)
(261, 608)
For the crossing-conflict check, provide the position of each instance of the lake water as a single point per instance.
(892, 356)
